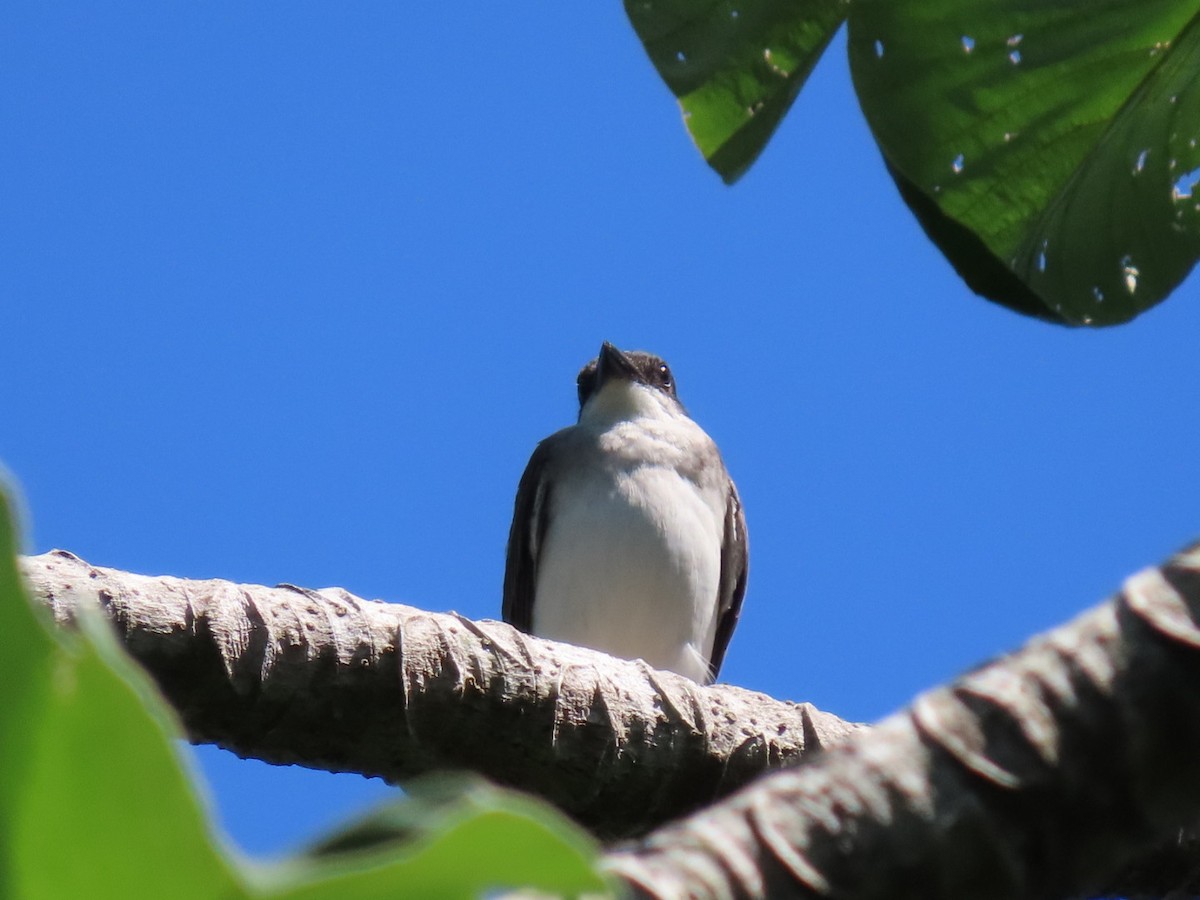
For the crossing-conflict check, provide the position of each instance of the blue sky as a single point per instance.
(292, 290)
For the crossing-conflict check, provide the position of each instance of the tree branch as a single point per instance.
(1065, 769)
(328, 680)
(1040, 775)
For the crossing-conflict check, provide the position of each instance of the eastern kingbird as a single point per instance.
(627, 533)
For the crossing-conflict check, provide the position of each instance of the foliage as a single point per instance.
(1050, 148)
(95, 803)
(735, 66)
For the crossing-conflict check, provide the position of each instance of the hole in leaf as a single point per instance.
(1014, 41)
(1185, 185)
(1130, 273)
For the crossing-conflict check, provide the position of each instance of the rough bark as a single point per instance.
(328, 680)
(1067, 769)
(1041, 775)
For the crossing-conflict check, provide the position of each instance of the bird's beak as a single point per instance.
(612, 363)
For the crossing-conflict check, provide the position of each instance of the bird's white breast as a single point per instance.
(631, 559)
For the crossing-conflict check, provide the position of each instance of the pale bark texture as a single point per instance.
(1068, 769)
(1041, 775)
(328, 680)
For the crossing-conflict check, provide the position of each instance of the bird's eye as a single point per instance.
(664, 375)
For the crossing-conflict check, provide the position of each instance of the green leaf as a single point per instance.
(734, 65)
(1049, 147)
(449, 842)
(95, 803)
(970, 257)
(25, 656)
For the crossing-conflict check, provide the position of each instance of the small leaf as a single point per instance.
(452, 838)
(734, 65)
(1063, 136)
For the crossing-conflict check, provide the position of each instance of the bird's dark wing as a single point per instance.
(735, 563)
(530, 516)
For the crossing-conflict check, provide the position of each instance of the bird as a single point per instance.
(628, 534)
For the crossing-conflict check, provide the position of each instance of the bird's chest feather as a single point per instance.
(644, 494)
(631, 558)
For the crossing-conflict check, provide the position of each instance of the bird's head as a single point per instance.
(620, 385)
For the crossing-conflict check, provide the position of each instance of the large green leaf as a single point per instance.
(25, 657)
(94, 802)
(1049, 147)
(735, 65)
